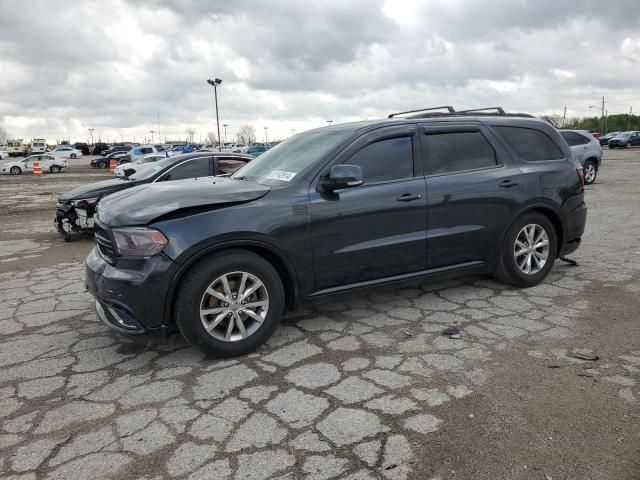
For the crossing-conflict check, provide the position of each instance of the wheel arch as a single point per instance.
(277, 259)
(552, 215)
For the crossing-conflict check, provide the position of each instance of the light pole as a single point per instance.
(214, 83)
(152, 132)
(602, 126)
(91, 132)
(225, 125)
(265, 135)
(329, 122)
(629, 121)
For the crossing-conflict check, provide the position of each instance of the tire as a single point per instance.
(590, 172)
(193, 297)
(73, 155)
(102, 165)
(55, 169)
(15, 171)
(627, 145)
(507, 270)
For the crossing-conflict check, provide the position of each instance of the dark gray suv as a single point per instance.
(344, 207)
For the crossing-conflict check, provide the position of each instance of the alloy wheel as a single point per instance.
(531, 250)
(589, 173)
(234, 306)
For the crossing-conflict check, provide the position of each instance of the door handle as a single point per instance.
(509, 184)
(409, 197)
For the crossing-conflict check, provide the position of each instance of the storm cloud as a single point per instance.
(289, 65)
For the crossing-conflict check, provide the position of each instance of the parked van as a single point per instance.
(16, 148)
(39, 145)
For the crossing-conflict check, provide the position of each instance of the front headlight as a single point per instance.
(138, 241)
(85, 202)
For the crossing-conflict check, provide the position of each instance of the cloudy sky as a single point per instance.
(111, 65)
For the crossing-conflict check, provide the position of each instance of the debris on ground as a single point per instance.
(453, 332)
(407, 333)
(583, 354)
(556, 365)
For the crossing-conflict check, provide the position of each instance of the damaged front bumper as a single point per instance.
(70, 219)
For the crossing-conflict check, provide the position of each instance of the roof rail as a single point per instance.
(449, 108)
(500, 110)
(451, 112)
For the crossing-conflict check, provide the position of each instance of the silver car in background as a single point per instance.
(587, 150)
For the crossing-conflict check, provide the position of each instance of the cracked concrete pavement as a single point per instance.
(355, 387)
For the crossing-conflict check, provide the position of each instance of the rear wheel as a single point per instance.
(590, 172)
(230, 303)
(527, 252)
(15, 171)
(73, 155)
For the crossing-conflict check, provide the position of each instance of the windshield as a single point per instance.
(291, 158)
(151, 170)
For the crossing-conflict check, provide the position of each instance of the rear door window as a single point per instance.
(530, 144)
(457, 152)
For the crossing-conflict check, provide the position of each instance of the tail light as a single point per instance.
(580, 171)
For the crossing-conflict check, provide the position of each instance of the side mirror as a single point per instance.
(343, 176)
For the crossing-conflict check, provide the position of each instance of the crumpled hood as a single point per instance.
(142, 204)
(98, 189)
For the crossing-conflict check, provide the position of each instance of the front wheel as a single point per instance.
(15, 171)
(590, 172)
(73, 155)
(230, 303)
(627, 145)
(102, 165)
(527, 251)
(55, 169)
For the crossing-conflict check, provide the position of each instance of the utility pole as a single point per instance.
(152, 132)
(91, 132)
(629, 121)
(564, 116)
(265, 135)
(158, 118)
(603, 124)
(225, 125)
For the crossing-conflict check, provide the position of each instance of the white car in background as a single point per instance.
(48, 163)
(126, 169)
(233, 147)
(65, 151)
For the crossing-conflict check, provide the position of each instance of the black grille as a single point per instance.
(104, 243)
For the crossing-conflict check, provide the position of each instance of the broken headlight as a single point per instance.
(85, 202)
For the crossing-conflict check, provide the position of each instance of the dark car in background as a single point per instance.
(104, 161)
(75, 209)
(340, 208)
(83, 147)
(117, 148)
(604, 140)
(99, 147)
(625, 140)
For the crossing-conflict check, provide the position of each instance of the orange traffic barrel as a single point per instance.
(112, 165)
(37, 169)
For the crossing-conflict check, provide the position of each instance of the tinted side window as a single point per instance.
(389, 159)
(574, 138)
(198, 167)
(530, 144)
(458, 151)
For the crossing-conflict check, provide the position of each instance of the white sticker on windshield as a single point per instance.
(281, 175)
